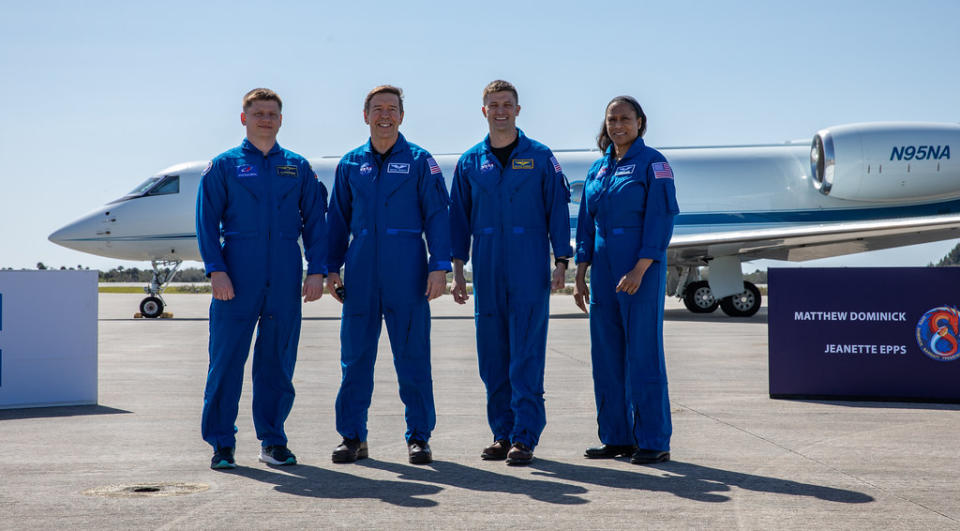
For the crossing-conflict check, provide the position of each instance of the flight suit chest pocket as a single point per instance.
(484, 181)
(627, 199)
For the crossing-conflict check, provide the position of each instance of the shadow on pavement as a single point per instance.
(59, 411)
(306, 480)
(465, 477)
(694, 482)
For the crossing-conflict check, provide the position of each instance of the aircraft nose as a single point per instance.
(78, 234)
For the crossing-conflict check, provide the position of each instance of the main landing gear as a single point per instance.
(699, 299)
(151, 307)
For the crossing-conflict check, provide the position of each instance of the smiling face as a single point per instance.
(501, 110)
(262, 120)
(623, 125)
(384, 116)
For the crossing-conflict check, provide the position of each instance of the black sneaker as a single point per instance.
(277, 455)
(419, 452)
(350, 450)
(223, 459)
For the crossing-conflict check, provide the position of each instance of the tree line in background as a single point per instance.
(196, 274)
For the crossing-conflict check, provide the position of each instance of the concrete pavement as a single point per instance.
(740, 459)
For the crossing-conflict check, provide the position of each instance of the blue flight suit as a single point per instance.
(510, 213)
(259, 205)
(384, 207)
(626, 213)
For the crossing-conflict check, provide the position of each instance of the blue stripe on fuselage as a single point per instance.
(819, 215)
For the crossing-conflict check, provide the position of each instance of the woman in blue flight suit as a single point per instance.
(625, 223)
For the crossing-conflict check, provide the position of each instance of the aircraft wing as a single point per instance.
(809, 242)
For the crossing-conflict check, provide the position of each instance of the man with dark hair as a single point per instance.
(510, 196)
(387, 194)
(258, 199)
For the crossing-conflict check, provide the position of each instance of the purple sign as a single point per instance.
(865, 333)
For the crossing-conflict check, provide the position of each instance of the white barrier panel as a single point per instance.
(48, 338)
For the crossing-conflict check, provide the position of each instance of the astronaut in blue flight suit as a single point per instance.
(625, 223)
(259, 198)
(387, 194)
(510, 196)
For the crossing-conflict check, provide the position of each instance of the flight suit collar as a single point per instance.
(523, 144)
(400, 145)
(635, 149)
(247, 145)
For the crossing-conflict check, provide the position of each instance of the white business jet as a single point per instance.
(858, 187)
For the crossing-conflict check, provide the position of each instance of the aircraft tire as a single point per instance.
(698, 298)
(151, 307)
(742, 304)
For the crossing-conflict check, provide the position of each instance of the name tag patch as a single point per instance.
(286, 171)
(246, 170)
(522, 164)
(626, 170)
(398, 167)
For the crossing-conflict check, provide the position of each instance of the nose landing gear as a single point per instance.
(152, 306)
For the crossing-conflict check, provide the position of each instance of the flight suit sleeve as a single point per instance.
(313, 213)
(434, 208)
(556, 200)
(586, 229)
(659, 211)
(338, 220)
(461, 203)
(211, 203)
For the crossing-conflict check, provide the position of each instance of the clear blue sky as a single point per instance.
(100, 95)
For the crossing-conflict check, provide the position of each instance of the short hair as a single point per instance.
(261, 94)
(383, 89)
(603, 139)
(499, 85)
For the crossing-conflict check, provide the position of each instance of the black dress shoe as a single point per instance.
(350, 450)
(644, 456)
(519, 455)
(419, 452)
(609, 451)
(496, 451)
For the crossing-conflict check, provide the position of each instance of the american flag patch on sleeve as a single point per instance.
(556, 164)
(661, 170)
(434, 167)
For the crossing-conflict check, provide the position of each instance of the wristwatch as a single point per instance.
(561, 260)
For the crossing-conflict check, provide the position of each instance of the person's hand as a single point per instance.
(333, 282)
(581, 293)
(436, 281)
(312, 287)
(559, 276)
(458, 288)
(630, 282)
(221, 286)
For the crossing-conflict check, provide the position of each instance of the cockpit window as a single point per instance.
(144, 186)
(156, 185)
(169, 185)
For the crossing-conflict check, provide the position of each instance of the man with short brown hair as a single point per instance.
(510, 197)
(387, 194)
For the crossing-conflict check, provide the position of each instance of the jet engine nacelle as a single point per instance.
(887, 161)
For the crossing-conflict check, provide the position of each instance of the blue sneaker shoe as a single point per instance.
(277, 455)
(223, 459)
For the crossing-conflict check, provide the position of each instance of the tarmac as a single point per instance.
(740, 460)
